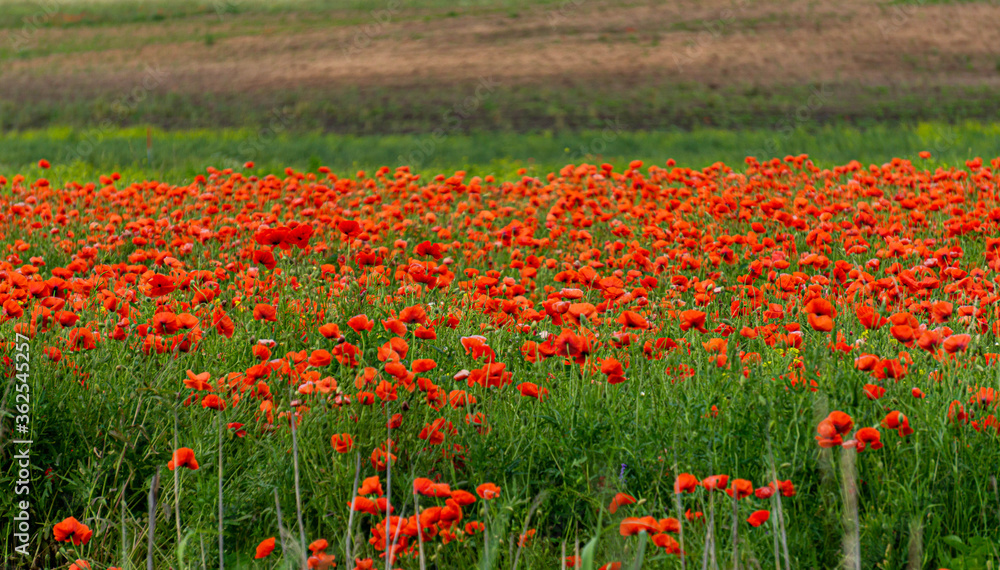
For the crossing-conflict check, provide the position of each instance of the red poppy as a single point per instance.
(897, 421)
(758, 518)
(160, 285)
(715, 482)
(693, 319)
(531, 390)
(741, 487)
(874, 392)
(371, 485)
(71, 529)
(632, 526)
(633, 320)
(183, 457)
(668, 543)
(619, 500)
(214, 402)
(685, 483)
(488, 491)
(868, 438)
(360, 323)
(265, 312)
(956, 343)
(265, 548)
(342, 442)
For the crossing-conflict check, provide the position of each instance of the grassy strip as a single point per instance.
(181, 154)
(460, 108)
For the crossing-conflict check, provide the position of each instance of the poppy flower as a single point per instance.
(271, 236)
(265, 548)
(820, 307)
(160, 285)
(394, 326)
(741, 487)
(183, 457)
(488, 491)
(320, 358)
(299, 236)
(668, 543)
(321, 561)
(422, 365)
(693, 320)
(265, 312)
(475, 346)
(611, 566)
(342, 442)
(867, 438)
(758, 518)
(371, 486)
(463, 498)
(956, 343)
(214, 402)
(897, 421)
(349, 227)
(832, 428)
(902, 333)
(531, 390)
(983, 396)
(841, 421)
(715, 482)
(364, 505)
(633, 320)
(685, 483)
(619, 500)
(71, 529)
(874, 392)
(360, 323)
(429, 488)
(198, 381)
(821, 323)
(330, 330)
(631, 526)
(929, 340)
(670, 524)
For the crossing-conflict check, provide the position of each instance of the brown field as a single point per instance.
(712, 43)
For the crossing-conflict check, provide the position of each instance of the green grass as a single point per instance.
(580, 446)
(16, 14)
(182, 154)
(584, 443)
(509, 108)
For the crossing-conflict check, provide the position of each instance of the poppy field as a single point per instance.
(766, 364)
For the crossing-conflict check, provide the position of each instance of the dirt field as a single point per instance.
(713, 43)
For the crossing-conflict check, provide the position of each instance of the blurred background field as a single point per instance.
(503, 83)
